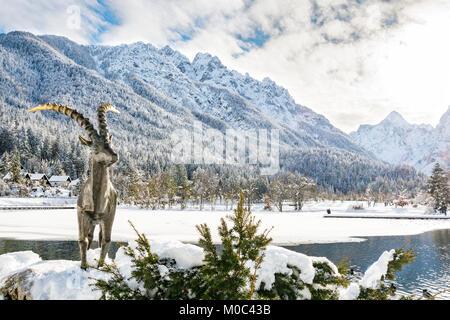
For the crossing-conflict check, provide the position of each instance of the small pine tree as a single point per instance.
(438, 188)
(224, 276)
(227, 275)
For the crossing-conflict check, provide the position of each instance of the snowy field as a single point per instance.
(307, 226)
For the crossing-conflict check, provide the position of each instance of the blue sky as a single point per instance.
(353, 61)
(108, 15)
(258, 39)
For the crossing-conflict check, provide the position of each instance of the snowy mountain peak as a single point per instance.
(396, 119)
(396, 141)
(445, 119)
(167, 50)
(205, 59)
(206, 67)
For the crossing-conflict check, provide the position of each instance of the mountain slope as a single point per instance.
(207, 86)
(396, 141)
(34, 72)
(157, 92)
(273, 100)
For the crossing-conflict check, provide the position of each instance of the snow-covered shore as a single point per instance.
(14, 202)
(25, 276)
(307, 226)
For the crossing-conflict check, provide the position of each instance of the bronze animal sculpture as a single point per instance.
(97, 201)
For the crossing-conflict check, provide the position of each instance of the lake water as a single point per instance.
(431, 270)
(51, 250)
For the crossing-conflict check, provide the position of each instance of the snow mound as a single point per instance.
(51, 280)
(15, 261)
(186, 255)
(349, 293)
(63, 280)
(278, 260)
(371, 278)
(377, 270)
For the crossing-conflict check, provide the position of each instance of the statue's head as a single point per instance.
(99, 142)
(102, 151)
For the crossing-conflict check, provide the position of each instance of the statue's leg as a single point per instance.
(100, 235)
(106, 242)
(90, 235)
(106, 229)
(82, 242)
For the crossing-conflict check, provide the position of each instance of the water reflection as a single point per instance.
(51, 250)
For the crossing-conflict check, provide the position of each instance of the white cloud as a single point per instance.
(52, 17)
(357, 63)
(160, 21)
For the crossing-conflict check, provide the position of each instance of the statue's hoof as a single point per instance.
(101, 263)
(84, 267)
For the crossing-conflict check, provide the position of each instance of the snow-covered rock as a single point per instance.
(396, 141)
(25, 276)
(49, 280)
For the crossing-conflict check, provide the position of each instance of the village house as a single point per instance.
(60, 181)
(37, 179)
(9, 175)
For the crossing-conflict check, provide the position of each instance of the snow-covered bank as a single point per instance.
(24, 276)
(307, 226)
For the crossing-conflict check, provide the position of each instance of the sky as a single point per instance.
(354, 61)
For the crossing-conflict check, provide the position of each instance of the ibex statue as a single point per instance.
(98, 199)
